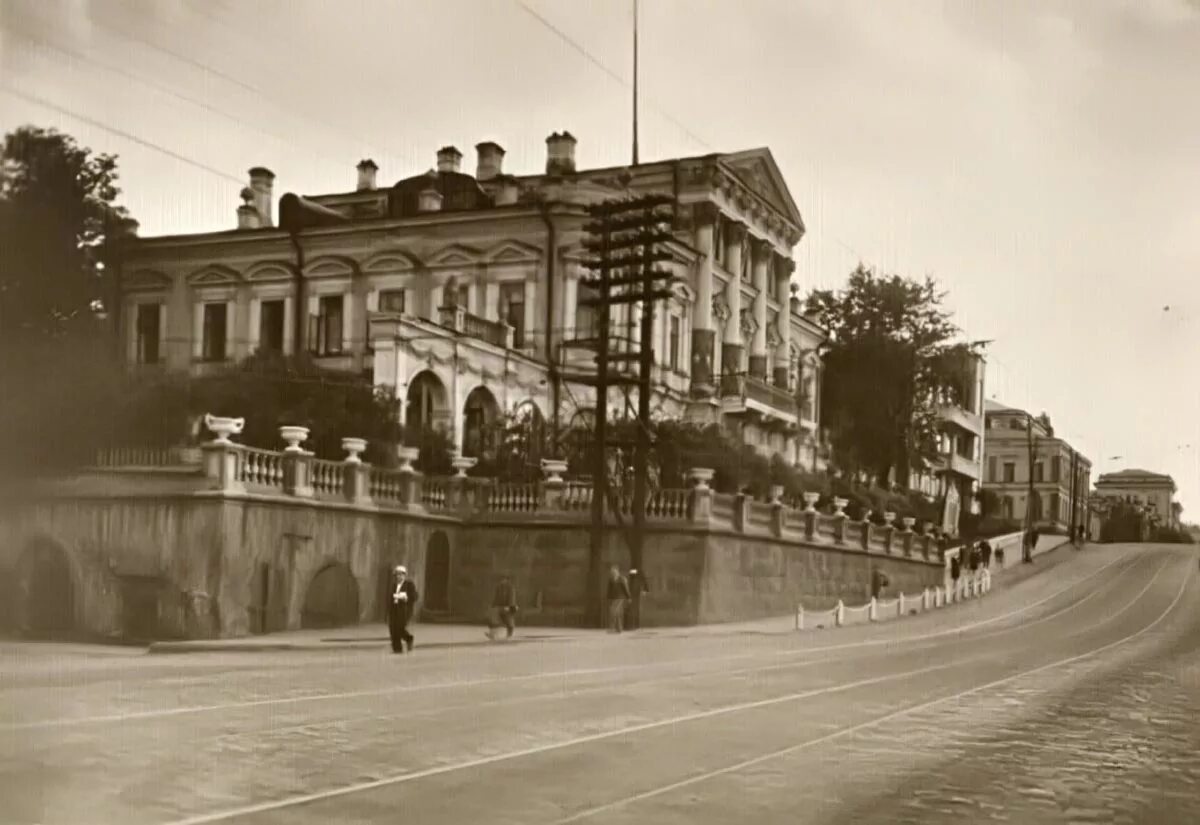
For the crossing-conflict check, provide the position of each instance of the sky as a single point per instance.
(1040, 160)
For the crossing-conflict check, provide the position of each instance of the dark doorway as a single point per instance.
(139, 607)
(48, 603)
(331, 600)
(437, 572)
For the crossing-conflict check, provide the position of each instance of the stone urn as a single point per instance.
(701, 476)
(354, 448)
(908, 522)
(222, 428)
(407, 456)
(554, 469)
(776, 493)
(889, 517)
(810, 502)
(461, 464)
(293, 435)
(839, 504)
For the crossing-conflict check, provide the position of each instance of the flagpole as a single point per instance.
(635, 82)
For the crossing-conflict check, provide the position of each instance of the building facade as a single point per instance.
(1152, 490)
(956, 474)
(463, 293)
(1019, 447)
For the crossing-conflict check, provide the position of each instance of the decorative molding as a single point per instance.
(145, 280)
(328, 267)
(509, 252)
(748, 323)
(270, 271)
(684, 292)
(774, 339)
(720, 308)
(390, 262)
(455, 255)
(214, 274)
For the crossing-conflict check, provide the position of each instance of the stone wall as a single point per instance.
(205, 552)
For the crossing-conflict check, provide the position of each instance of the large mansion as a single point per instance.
(463, 292)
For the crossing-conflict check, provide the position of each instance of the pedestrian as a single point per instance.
(955, 566)
(638, 587)
(975, 556)
(943, 544)
(618, 597)
(878, 581)
(986, 549)
(1000, 557)
(504, 609)
(404, 602)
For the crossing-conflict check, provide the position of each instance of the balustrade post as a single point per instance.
(908, 535)
(926, 545)
(866, 535)
(552, 490)
(297, 474)
(700, 498)
(810, 524)
(356, 482)
(741, 512)
(221, 463)
(778, 518)
(411, 483)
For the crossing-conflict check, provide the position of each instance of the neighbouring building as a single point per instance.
(1019, 447)
(463, 292)
(1153, 490)
(956, 473)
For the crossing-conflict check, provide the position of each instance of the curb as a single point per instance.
(178, 648)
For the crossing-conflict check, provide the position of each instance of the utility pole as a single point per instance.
(626, 240)
(1029, 521)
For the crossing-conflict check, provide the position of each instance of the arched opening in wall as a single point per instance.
(481, 414)
(45, 590)
(426, 406)
(437, 572)
(331, 599)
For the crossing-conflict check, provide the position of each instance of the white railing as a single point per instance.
(262, 468)
(385, 485)
(966, 587)
(328, 477)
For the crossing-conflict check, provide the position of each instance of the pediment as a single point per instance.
(390, 262)
(756, 168)
(270, 271)
(683, 292)
(328, 268)
(147, 279)
(455, 255)
(511, 252)
(212, 275)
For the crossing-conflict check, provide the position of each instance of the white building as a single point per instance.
(462, 292)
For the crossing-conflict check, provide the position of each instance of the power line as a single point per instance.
(595, 61)
(48, 104)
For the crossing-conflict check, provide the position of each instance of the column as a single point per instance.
(703, 336)
(783, 353)
(758, 348)
(731, 349)
(570, 299)
(254, 327)
(130, 320)
(289, 325)
(198, 328)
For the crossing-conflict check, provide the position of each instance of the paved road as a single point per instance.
(1048, 701)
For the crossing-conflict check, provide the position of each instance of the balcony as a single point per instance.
(744, 393)
(496, 333)
(961, 418)
(960, 465)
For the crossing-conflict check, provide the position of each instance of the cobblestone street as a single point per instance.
(1070, 695)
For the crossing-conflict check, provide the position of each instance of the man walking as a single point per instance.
(618, 597)
(400, 612)
(504, 609)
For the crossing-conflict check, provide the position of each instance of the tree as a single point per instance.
(890, 360)
(60, 235)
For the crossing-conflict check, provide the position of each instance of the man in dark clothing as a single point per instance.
(955, 567)
(618, 597)
(638, 587)
(975, 555)
(504, 609)
(400, 612)
(986, 550)
(943, 544)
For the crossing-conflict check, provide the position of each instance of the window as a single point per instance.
(462, 297)
(148, 333)
(325, 328)
(1055, 468)
(585, 313)
(1055, 506)
(215, 325)
(673, 343)
(270, 326)
(512, 311)
(991, 468)
(1010, 472)
(391, 300)
(1007, 507)
(1039, 473)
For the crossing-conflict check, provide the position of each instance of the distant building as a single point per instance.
(960, 415)
(465, 293)
(1061, 475)
(1153, 490)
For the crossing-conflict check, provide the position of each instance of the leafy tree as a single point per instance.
(890, 358)
(60, 234)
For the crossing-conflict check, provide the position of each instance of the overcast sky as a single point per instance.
(1042, 160)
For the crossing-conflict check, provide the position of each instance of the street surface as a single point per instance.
(1068, 696)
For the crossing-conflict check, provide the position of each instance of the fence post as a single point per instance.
(799, 616)
(839, 614)
(900, 610)
(221, 461)
(872, 613)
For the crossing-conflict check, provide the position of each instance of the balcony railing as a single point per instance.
(496, 333)
(744, 388)
(961, 418)
(955, 463)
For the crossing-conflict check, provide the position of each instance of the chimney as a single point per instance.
(366, 175)
(491, 159)
(429, 199)
(560, 154)
(449, 159)
(247, 214)
(508, 192)
(262, 182)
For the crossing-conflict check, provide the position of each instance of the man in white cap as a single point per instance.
(404, 601)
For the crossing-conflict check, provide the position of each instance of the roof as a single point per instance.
(1134, 474)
